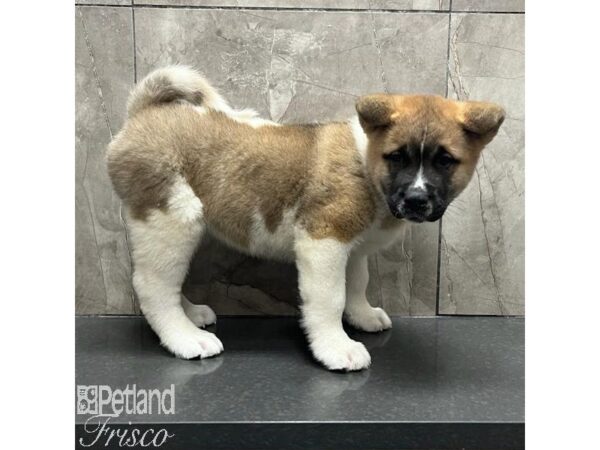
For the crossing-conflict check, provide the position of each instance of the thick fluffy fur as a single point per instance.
(186, 163)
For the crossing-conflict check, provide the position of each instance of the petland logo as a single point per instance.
(102, 403)
(103, 400)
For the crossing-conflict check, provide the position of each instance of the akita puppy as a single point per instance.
(323, 195)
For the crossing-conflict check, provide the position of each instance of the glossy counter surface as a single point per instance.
(439, 382)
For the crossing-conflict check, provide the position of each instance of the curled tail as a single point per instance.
(174, 83)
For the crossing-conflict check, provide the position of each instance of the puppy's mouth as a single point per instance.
(425, 215)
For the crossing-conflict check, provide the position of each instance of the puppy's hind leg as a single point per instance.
(163, 244)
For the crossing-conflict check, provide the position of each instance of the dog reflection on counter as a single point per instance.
(324, 196)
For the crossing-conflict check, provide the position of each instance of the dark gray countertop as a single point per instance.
(462, 375)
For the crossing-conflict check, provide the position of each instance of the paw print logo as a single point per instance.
(87, 399)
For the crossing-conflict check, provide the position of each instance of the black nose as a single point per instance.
(416, 200)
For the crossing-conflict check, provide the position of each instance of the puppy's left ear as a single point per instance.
(481, 120)
(374, 111)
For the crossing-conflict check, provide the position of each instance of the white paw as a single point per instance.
(192, 343)
(371, 319)
(201, 315)
(341, 354)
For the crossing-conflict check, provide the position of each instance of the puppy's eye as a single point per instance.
(398, 156)
(445, 159)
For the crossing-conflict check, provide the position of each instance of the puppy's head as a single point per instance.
(423, 149)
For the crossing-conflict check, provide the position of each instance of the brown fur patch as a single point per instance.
(237, 170)
(339, 201)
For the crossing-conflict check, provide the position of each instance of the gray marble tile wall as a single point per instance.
(103, 76)
(308, 61)
(483, 248)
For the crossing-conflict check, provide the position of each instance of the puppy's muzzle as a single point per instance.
(416, 205)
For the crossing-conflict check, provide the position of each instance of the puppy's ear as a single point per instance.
(480, 120)
(374, 111)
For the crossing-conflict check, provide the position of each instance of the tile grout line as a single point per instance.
(448, 47)
(134, 303)
(134, 43)
(438, 268)
(295, 9)
(439, 248)
(378, 47)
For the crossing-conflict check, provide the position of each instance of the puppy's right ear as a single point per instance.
(374, 111)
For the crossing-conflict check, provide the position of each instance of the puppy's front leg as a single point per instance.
(322, 281)
(359, 313)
